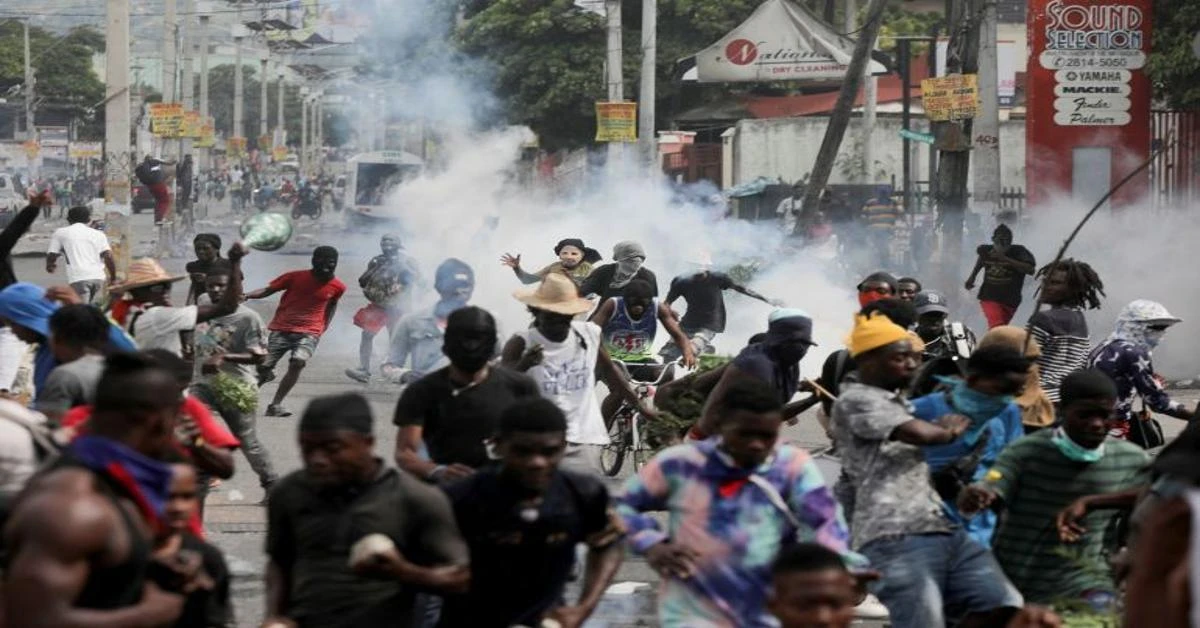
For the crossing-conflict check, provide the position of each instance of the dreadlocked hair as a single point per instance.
(1083, 283)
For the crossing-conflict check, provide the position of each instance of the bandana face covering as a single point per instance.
(147, 480)
(976, 405)
(869, 296)
(626, 270)
(1074, 451)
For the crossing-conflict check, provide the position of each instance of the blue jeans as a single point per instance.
(927, 576)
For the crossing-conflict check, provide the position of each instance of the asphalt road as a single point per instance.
(235, 521)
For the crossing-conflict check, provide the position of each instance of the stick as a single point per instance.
(1062, 251)
(821, 390)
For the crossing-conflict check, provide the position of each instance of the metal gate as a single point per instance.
(1175, 176)
(695, 162)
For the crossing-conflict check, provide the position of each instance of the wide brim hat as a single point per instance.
(556, 293)
(145, 272)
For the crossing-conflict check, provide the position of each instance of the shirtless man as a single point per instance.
(79, 537)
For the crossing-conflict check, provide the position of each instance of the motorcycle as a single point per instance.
(262, 198)
(307, 203)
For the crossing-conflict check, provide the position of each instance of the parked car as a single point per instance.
(140, 198)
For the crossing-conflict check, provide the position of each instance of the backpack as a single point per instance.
(149, 173)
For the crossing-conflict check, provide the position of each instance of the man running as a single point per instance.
(89, 258)
(416, 348)
(387, 283)
(79, 537)
(1005, 267)
(310, 299)
(610, 280)
(1068, 286)
(705, 316)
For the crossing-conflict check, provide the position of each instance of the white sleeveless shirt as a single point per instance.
(567, 376)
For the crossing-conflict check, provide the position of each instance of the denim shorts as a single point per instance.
(302, 346)
(929, 577)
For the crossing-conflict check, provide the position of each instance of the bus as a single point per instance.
(371, 177)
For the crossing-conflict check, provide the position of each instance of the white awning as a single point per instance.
(781, 41)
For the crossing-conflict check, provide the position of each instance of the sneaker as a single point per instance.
(871, 608)
(362, 376)
(265, 376)
(278, 411)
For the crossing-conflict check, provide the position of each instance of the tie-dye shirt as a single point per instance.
(731, 523)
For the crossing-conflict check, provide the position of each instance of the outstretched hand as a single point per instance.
(512, 261)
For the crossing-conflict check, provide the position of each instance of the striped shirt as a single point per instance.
(1035, 481)
(880, 214)
(731, 523)
(1062, 333)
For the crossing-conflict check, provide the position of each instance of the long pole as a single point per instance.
(239, 86)
(986, 139)
(279, 125)
(170, 60)
(263, 106)
(904, 51)
(118, 160)
(613, 67)
(647, 140)
(204, 153)
(840, 117)
(30, 132)
(304, 131)
(187, 82)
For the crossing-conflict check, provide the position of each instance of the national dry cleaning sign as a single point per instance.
(780, 41)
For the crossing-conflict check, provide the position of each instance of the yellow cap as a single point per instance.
(873, 333)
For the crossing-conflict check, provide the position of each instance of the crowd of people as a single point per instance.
(981, 480)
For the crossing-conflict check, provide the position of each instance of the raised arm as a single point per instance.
(22, 222)
(233, 295)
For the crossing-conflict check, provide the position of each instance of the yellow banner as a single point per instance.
(166, 118)
(208, 136)
(235, 147)
(279, 153)
(192, 125)
(84, 150)
(954, 97)
(32, 148)
(616, 122)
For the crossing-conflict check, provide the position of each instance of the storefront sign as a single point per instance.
(616, 122)
(954, 97)
(1088, 98)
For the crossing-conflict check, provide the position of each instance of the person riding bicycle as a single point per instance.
(630, 324)
(704, 293)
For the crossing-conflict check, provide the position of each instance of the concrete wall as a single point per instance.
(785, 148)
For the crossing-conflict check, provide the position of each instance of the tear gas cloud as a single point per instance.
(471, 205)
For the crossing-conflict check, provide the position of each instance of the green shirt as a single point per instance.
(1035, 481)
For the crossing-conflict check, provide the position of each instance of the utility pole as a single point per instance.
(962, 57)
(304, 130)
(30, 127)
(263, 106)
(204, 17)
(170, 61)
(844, 107)
(986, 136)
(239, 87)
(613, 67)
(118, 160)
(187, 82)
(280, 137)
(647, 140)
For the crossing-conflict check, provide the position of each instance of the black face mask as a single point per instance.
(470, 352)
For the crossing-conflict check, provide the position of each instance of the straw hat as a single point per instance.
(557, 293)
(145, 272)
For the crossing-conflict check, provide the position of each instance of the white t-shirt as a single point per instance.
(566, 376)
(788, 211)
(81, 245)
(159, 327)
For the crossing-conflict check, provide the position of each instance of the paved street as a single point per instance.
(235, 520)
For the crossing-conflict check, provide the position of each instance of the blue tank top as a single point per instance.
(628, 340)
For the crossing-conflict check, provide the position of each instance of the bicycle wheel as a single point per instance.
(612, 455)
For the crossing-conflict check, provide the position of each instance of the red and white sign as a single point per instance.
(1088, 98)
(781, 41)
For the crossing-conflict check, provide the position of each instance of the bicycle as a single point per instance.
(626, 429)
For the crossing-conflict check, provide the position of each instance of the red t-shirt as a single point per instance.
(305, 299)
(211, 430)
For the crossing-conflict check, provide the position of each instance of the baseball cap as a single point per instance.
(930, 301)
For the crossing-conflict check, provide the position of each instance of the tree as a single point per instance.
(63, 69)
(1172, 66)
